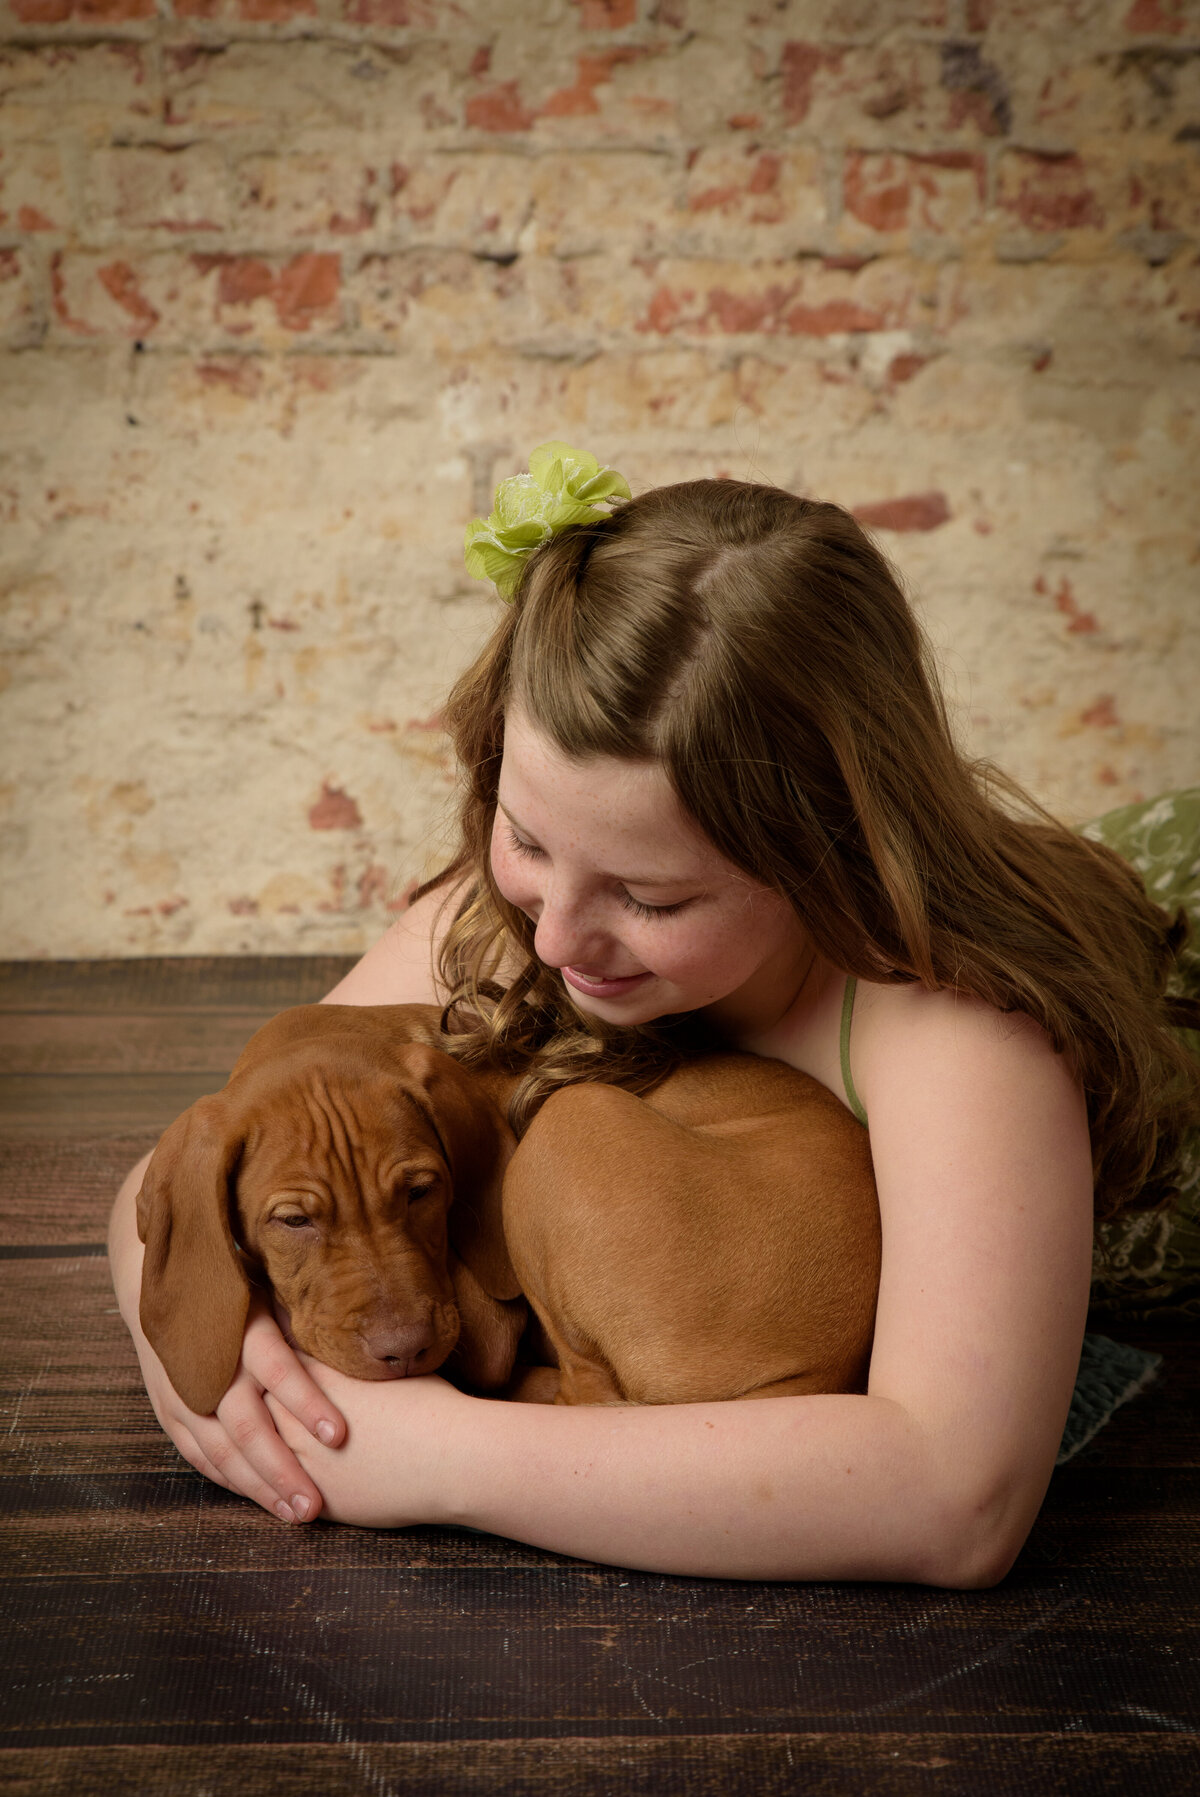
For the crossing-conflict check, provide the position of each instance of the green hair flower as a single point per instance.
(564, 486)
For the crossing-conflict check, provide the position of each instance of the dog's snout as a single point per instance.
(402, 1349)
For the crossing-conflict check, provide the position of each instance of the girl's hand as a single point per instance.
(393, 1470)
(239, 1447)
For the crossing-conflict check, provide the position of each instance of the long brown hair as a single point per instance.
(760, 648)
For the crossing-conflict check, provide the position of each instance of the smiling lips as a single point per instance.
(601, 985)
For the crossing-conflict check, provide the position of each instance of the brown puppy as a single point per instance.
(356, 1170)
(718, 1239)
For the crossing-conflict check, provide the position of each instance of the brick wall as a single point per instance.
(285, 285)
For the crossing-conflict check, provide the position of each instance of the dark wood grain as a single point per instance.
(59, 1188)
(173, 983)
(834, 1764)
(69, 1104)
(125, 1042)
(163, 1636)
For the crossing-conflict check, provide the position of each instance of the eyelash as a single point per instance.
(520, 847)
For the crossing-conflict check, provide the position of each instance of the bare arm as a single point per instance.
(400, 969)
(935, 1475)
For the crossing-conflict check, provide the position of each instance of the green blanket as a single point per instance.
(1147, 1263)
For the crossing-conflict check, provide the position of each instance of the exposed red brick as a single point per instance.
(762, 311)
(1163, 18)
(1049, 193)
(979, 14)
(168, 907)
(274, 12)
(120, 282)
(499, 109)
(606, 15)
(390, 12)
(664, 311)
(307, 286)
(889, 192)
(56, 12)
(241, 279)
(801, 63)
(30, 219)
(594, 72)
(834, 316)
(237, 374)
(243, 907)
(902, 368)
(763, 179)
(744, 121)
(916, 511)
(334, 810)
(372, 884)
(1103, 714)
(881, 202)
(481, 62)
(1080, 623)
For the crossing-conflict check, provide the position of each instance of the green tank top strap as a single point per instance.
(852, 1098)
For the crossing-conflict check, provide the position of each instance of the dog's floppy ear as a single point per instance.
(195, 1293)
(479, 1145)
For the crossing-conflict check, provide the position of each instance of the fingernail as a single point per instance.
(326, 1431)
(283, 1512)
(301, 1506)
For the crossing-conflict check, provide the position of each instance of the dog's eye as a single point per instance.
(294, 1220)
(415, 1192)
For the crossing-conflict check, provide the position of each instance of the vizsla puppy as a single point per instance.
(326, 1169)
(717, 1239)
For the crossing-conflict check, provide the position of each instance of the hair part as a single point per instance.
(760, 648)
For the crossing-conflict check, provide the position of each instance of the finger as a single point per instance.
(278, 1369)
(249, 1453)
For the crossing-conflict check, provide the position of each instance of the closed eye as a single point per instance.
(519, 846)
(293, 1220)
(641, 910)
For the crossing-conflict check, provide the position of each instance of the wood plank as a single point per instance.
(56, 1042)
(171, 982)
(65, 1353)
(51, 1104)
(103, 1517)
(383, 1654)
(59, 1189)
(1050, 1764)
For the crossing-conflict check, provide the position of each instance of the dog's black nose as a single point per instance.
(402, 1348)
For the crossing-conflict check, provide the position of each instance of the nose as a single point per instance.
(401, 1348)
(563, 937)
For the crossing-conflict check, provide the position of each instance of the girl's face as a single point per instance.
(632, 903)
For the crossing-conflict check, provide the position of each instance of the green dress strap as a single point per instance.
(852, 1098)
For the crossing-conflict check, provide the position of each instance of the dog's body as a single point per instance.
(719, 1238)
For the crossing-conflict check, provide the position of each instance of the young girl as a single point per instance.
(711, 796)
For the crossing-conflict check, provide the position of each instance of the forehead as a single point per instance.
(624, 814)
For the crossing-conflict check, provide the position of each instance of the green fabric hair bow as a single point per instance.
(563, 486)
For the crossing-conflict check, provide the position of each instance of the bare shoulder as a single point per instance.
(401, 968)
(908, 1040)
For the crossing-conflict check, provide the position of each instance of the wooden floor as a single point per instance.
(163, 1637)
